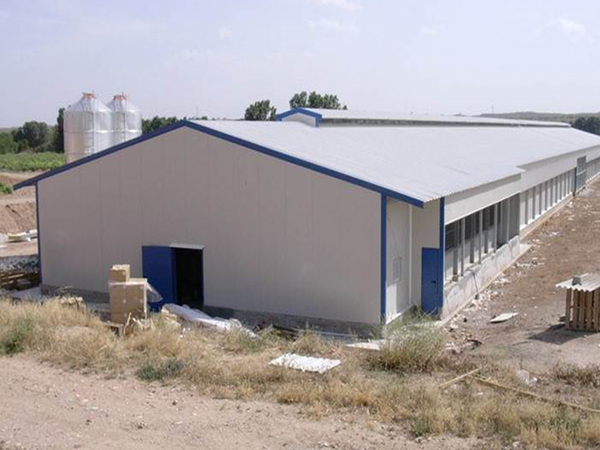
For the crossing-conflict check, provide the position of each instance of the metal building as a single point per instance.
(329, 215)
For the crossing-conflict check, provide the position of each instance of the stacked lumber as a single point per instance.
(128, 296)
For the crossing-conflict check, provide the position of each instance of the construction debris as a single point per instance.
(370, 345)
(458, 378)
(504, 317)
(24, 236)
(170, 319)
(73, 302)
(305, 363)
(18, 280)
(204, 320)
(534, 395)
(128, 296)
(526, 377)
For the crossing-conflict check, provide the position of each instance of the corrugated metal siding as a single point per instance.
(588, 282)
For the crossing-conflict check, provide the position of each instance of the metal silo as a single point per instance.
(87, 127)
(127, 119)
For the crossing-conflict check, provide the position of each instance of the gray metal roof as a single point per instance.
(588, 282)
(424, 163)
(340, 116)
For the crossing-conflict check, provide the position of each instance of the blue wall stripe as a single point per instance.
(232, 139)
(39, 235)
(442, 252)
(383, 257)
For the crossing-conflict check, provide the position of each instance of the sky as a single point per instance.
(215, 57)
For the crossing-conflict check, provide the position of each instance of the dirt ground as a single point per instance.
(17, 213)
(565, 245)
(43, 407)
(17, 210)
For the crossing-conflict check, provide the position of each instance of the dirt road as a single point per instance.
(566, 245)
(43, 407)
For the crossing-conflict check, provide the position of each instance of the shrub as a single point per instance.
(170, 368)
(15, 338)
(4, 189)
(414, 348)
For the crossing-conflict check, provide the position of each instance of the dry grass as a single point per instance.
(400, 385)
(588, 376)
(414, 348)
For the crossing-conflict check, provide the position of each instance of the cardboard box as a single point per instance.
(121, 317)
(117, 291)
(124, 304)
(129, 297)
(119, 273)
(135, 290)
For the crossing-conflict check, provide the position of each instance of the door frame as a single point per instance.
(171, 295)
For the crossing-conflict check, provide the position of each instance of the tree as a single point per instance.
(58, 139)
(31, 135)
(590, 124)
(299, 100)
(7, 143)
(151, 125)
(261, 110)
(315, 100)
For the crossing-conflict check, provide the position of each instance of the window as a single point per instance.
(450, 235)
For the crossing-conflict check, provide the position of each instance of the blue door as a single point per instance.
(431, 285)
(158, 266)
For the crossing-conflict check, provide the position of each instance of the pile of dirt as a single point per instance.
(17, 216)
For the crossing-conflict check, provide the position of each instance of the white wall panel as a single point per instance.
(467, 202)
(278, 238)
(425, 233)
(398, 289)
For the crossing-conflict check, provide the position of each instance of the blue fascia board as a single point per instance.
(306, 112)
(306, 164)
(234, 140)
(383, 254)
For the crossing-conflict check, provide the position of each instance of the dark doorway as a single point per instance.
(189, 277)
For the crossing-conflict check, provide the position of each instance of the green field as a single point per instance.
(23, 162)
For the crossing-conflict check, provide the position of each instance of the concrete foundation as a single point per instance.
(459, 293)
(253, 318)
(99, 302)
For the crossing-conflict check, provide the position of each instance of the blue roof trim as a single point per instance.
(306, 112)
(306, 164)
(234, 140)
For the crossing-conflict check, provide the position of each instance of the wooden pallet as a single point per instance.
(18, 280)
(583, 310)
